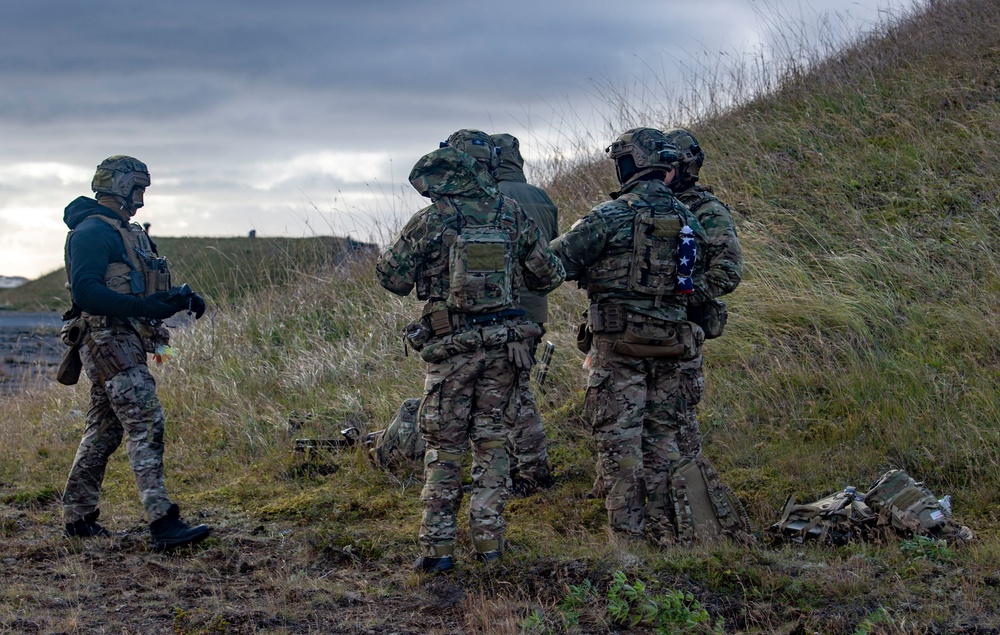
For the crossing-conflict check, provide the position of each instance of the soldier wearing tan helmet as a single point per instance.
(640, 257)
(121, 291)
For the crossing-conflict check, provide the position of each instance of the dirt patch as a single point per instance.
(244, 579)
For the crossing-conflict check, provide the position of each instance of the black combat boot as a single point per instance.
(87, 527)
(171, 532)
(430, 564)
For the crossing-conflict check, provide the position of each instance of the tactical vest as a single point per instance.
(143, 273)
(697, 197)
(473, 266)
(649, 265)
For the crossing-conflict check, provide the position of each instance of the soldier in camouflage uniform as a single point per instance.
(723, 255)
(639, 256)
(121, 292)
(466, 255)
(529, 459)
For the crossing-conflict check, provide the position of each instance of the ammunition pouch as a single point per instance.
(72, 334)
(646, 337)
(711, 316)
(607, 318)
(115, 352)
(486, 334)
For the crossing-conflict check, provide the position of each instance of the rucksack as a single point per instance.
(837, 518)
(705, 508)
(910, 507)
(895, 501)
(401, 443)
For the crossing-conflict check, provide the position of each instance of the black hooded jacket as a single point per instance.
(92, 246)
(534, 200)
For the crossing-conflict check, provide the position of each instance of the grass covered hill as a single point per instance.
(863, 337)
(221, 269)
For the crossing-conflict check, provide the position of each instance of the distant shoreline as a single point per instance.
(30, 349)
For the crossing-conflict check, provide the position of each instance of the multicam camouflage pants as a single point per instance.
(529, 457)
(642, 414)
(467, 398)
(125, 402)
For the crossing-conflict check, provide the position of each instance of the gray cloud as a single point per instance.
(327, 104)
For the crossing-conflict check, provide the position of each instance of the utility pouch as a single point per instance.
(451, 345)
(440, 323)
(711, 316)
(416, 335)
(607, 318)
(682, 340)
(119, 278)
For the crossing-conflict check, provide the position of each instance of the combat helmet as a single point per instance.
(692, 156)
(641, 151)
(478, 144)
(120, 176)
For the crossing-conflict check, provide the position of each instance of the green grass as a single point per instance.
(865, 335)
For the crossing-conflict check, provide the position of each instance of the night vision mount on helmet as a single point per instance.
(120, 176)
(478, 144)
(692, 156)
(640, 151)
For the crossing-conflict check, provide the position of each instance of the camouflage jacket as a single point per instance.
(463, 192)
(604, 237)
(724, 257)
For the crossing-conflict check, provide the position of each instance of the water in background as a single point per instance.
(30, 349)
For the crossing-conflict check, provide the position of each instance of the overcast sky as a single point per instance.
(304, 117)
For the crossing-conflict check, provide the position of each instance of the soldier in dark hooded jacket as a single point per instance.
(121, 292)
(528, 452)
(466, 255)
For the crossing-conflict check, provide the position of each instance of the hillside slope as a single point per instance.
(221, 269)
(864, 336)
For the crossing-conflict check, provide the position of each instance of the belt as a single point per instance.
(446, 322)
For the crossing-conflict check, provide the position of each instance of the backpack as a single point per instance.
(704, 507)
(481, 267)
(894, 501)
(837, 518)
(401, 443)
(910, 507)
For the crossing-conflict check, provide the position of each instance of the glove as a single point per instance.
(196, 304)
(153, 308)
(170, 298)
(520, 354)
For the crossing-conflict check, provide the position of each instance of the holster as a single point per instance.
(72, 334)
